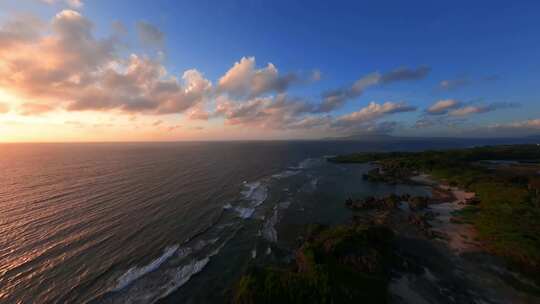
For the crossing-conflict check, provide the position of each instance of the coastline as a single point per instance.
(436, 256)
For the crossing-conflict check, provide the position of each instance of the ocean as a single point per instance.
(163, 222)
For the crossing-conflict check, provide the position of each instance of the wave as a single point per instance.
(250, 188)
(244, 212)
(306, 164)
(285, 174)
(172, 275)
(184, 274)
(135, 272)
(256, 193)
(269, 230)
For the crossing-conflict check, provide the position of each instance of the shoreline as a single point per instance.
(436, 255)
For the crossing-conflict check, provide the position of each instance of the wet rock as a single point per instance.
(388, 202)
(472, 201)
(419, 221)
(418, 202)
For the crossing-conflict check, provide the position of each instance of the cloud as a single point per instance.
(479, 109)
(335, 99)
(271, 112)
(424, 122)
(456, 83)
(75, 3)
(18, 30)
(70, 3)
(243, 79)
(439, 121)
(172, 128)
(157, 123)
(4, 108)
(238, 80)
(316, 75)
(372, 112)
(28, 109)
(311, 122)
(443, 106)
(78, 72)
(280, 112)
(451, 113)
(149, 35)
(198, 113)
(405, 74)
(379, 128)
(451, 84)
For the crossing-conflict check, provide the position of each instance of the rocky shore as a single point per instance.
(398, 248)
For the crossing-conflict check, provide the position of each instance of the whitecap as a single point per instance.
(135, 272)
(185, 273)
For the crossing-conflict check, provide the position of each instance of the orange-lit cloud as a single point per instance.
(58, 75)
(77, 72)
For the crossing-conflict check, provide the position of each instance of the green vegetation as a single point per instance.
(348, 264)
(508, 215)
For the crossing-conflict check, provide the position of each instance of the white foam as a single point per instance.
(135, 272)
(308, 163)
(285, 174)
(269, 231)
(244, 212)
(227, 206)
(268, 251)
(250, 188)
(203, 243)
(256, 193)
(183, 274)
(253, 253)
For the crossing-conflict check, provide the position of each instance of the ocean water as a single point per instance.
(164, 222)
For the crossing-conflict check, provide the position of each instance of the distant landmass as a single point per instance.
(458, 141)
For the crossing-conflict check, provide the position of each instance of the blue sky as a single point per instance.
(487, 51)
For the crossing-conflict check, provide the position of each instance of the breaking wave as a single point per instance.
(135, 272)
(256, 193)
(244, 212)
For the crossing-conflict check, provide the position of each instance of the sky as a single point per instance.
(97, 70)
